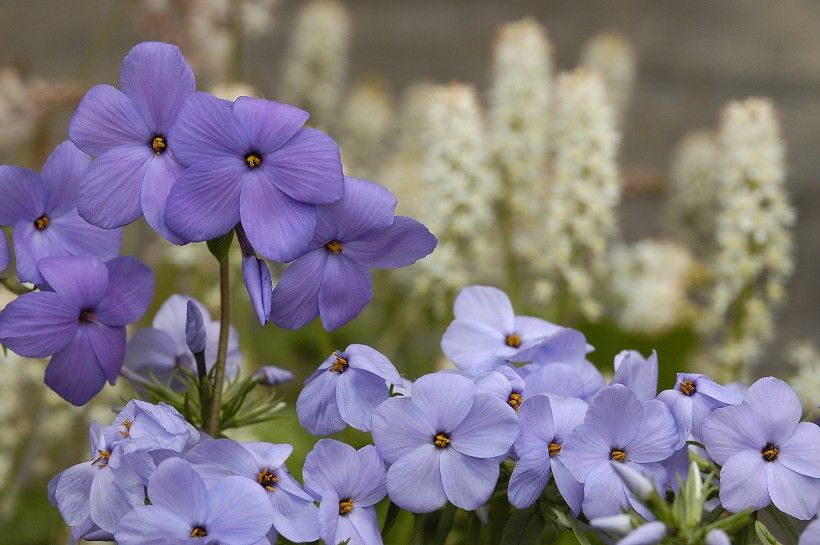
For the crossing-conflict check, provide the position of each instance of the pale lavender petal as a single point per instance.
(329, 516)
(584, 451)
(258, 283)
(239, 511)
(528, 479)
(468, 482)
(474, 346)
(706, 386)
(157, 79)
(555, 378)
(81, 280)
(267, 124)
(800, 452)
(72, 492)
(205, 128)
(791, 492)
(682, 408)
(810, 536)
(345, 291)
(567, 414)
(270, 375)
(106, 119)
(445, 398)
(488, 430)
(564, 346)
(731, 430)
(414, 481)
(279, 227)
(110, 190)
(645, 534)
(571, 490)
(743, 482)
(656, 438)
(308, 168)
(358, 393)
(176, 486)
(638, 374)
(24, 195)
(366, 208)
(495, 383)
(317, 407)
(485, 304)
(402, 244)
(361, 356)
(616, 413)
(775, 406)
(113, 495)
(327, 466)
(365, 523)
(61, 174)
(604, 493)
(30, 247)
(271, 456)
(215, 459)
(130, 290)
(368, 486)
(151, 349)
(295, 518)
(78, 237)
(295, 299)
(108, 344)
(39, 324)
(160, 175)
(537, 427)
(204, 201)
(399, 426)
(152, 525)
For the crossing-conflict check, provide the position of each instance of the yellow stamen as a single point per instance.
(618, 455)
(334, 246)
(769, 452)
(198, 531)
(345, 506)
(687, 387)
(253, 160)
(101, 460)
(340, 365)
(267, 479)
(515, 401)
(441, 440)
(554, 449)
(513, 340)
(158, 144)
(41, 222)
(127, 425)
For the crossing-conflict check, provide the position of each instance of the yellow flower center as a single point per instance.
(41, 222)
(769, 452)
(340, 365)
(618, 455)
(158, 144)
(127, 425)
(101, 461)
(687, 387)
(345, 506)
(554, 449)
(441, 440)
(198, 531)
(513, 340)
(253, 160)
(87, 316)
(334, 246)
(267, 480)
(515, 401)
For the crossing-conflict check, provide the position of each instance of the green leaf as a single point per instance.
(785, 524)
(734, 522)
(393, 511)
(220, 246)
(764, 534)
(523, 528)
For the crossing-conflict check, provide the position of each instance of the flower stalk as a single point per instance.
(222, 350)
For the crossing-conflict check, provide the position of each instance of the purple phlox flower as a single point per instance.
(294, 514)
(42, 210)
(767, 455)
(546, 422)
(234, 511)
(195, 334)
(486, 332)
(444, 442)
(270, 375)
(504, 383)
(810, 536)
(94, 494)
(693, 398)
(144, 427)
(4, 251)
(560, 366)
(355, 234)
(127, 130)
(347, 483)
(162, 348)
(716, 536)
(81, 324)
(637, 373)
(649, 533)
(618, 427)
(251, 161)
(345, 390)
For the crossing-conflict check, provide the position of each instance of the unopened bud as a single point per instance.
(194, 329)
(635, 481)
(646, 534)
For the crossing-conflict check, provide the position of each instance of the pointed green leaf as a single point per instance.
(220, 246)
(523, 527)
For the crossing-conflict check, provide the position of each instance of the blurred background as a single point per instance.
(681, 64)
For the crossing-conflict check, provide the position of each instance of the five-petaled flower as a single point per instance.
(353, 235)
(445, 442)
(128, 132)
(767, 455)
(43, 211)
(81, 323)
(693, 398)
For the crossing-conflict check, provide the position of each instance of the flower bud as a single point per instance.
(635, 481)
(614, 524)
(194, 328)
(272, 376)
(258, 283)
(717, 537)
(646, 534)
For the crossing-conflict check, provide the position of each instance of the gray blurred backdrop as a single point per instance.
(693, 57)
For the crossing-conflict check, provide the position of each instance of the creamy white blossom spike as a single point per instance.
(368, 115)
(612, 56)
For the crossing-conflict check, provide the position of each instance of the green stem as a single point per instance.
(222, 349)
(418, 529)
(445, 522)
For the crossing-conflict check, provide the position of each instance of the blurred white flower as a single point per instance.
(806, 381)
(368, 115)
(613, 58)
